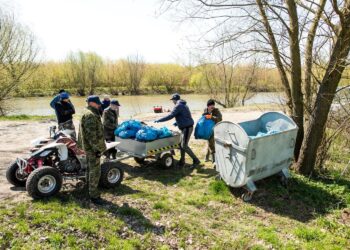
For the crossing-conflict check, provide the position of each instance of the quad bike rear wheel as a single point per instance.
(111, 175)
(44, 182)
(14, 176)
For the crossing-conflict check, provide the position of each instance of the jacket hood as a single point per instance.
(182, 102)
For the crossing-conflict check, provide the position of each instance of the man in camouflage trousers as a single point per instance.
(91, 140)
(214, 114)
(110, 123)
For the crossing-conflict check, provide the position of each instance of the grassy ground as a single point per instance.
(179, 208)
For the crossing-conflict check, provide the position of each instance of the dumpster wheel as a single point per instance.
(247, 196)
(284, 181)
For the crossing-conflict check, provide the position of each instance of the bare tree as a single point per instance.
(285, 33)
(18, 52)
(85, 71)
(136, 71)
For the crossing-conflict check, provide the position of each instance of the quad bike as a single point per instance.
(55, 159)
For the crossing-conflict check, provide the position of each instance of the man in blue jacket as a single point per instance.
(184, 121)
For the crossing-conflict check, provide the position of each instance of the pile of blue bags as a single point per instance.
(134, 129)
(204, 128)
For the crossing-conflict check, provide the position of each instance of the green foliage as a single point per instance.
(86, 73)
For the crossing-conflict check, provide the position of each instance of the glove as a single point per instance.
(208, 116)
(98, 154)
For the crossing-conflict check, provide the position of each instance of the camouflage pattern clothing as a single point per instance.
(91, 140)
(110, 123)
(216, 117)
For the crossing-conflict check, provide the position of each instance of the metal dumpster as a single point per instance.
(252, 150)
(161, 149)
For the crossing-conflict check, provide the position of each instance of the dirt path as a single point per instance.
(15, 137)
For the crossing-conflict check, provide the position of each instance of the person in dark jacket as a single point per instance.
(56, 99)
(105, 102)
(110, 123)
(214, 114)
(184, 121)
(65, 111)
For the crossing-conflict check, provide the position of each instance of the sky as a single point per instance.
(113, 29)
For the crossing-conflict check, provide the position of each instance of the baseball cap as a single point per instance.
(94, 98)
(175, 97)
(64, 95)
(115, 102)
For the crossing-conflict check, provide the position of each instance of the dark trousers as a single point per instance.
(211, 147)
(111, 153)
(184, 148)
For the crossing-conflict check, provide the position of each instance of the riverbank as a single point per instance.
(156, 208)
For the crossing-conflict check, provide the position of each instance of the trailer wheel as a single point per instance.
(167, 160)
(15, 177)
(111, 175)
(44, 182)
(139, 160)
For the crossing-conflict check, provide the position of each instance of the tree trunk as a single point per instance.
(325, 95)
(297, 95)
(309, 54)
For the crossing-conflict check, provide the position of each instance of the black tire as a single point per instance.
(167, 160)
(40, 177)
(140, 161)
(14, 177)
(111, 175)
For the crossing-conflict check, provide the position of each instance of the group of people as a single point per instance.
(94, 131)
(185, 123)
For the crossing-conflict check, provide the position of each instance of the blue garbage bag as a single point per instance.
(204, 128)
(164, 133)
(261, 134)
(147, 133)
(133, 125)
(127, 134)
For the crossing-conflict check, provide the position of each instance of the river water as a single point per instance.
(130, 105)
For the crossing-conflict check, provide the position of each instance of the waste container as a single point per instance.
(249, 151)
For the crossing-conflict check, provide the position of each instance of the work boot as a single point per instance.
(195, 164)
(180, 164)
(98, 201)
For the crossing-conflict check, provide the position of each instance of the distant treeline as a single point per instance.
(87, 73)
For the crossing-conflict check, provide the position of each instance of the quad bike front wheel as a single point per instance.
(111, 175)
(14, 176)
(44, 182)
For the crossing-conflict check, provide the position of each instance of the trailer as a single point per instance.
(162, 150)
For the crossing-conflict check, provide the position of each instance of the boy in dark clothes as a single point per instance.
(214, 114)
(65, 111)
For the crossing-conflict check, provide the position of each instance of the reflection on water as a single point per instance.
(130, 105)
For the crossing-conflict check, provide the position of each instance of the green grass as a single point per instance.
(180, 208)
(26, 117)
